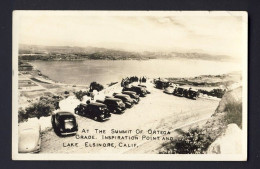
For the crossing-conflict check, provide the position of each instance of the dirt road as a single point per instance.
(157, 114)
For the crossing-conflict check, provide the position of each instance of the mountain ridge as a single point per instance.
(41, 52)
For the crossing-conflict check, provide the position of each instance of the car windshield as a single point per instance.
(68, 123)
(29, 131)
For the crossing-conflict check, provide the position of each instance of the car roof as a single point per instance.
(131, 92)
(162, 80)
(97, 104)
(62, 113)
(184, 87)
(122, 95)
(112, 98)
(138, 87)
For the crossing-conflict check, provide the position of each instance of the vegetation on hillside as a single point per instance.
(219, 93)
(233, 114)
(80, 94)
(194, 141)
(93, 86)
(197, 140)
(44, 107)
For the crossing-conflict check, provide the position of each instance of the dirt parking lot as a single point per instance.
(157, 112)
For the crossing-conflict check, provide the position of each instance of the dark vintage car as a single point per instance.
(137, 89)
(64, 123)
(126, 99)
(145, 88)
(133, 95)
(161, 83)
(192, 94)
(96, 111)
(180, 91)
(114, 105)
(186, 92)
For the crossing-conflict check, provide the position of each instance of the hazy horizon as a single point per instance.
(218, 35)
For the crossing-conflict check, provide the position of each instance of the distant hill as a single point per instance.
(37, 52)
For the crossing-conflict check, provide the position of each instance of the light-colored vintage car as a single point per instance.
(29, 138)
(170, 89)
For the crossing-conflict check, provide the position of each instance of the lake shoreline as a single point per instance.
(107, 71)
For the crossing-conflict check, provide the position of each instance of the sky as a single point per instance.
(211, 34)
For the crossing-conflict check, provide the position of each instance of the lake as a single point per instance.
(106, 71)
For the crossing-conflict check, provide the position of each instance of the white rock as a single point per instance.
(229, 142)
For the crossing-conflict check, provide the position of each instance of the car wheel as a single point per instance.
(55, 128)
(58, 133)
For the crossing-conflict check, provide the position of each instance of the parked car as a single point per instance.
(161, 83)
(138, 89)
(114, 105)
(179, 91)
(96, 111)
(171, 88)
(64, 123)
(145, 88)
(133, 95)
(126, 99)
(29, 140)
(193, 93)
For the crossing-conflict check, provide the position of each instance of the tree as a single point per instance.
(95, 86)
(54, 100)
(79, 94)
(44, 107)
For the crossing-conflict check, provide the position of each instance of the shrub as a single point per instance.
(43, 107)
(22, 115)
(39, 109)
(194, 141)
(233, 113)
(219, 93)
(79, 94)
(95, 86)
(54, 100)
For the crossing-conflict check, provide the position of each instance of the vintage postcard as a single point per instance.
(130, 85)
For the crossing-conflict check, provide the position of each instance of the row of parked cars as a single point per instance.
(177, 90)
(64, 123)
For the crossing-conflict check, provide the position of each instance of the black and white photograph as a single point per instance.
(130, 85)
